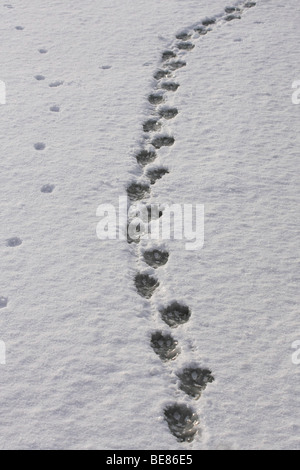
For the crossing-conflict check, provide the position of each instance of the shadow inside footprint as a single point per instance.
(185, 46)
(151, 125)
(20, 28)
(145, 156)
(137, 191)
(183, 36)
(182, 421)
(170, 86)
(208, 21)
(145, 285)
(43, 51)
(156, 174)
(161, 74)
(168, 55)
(156, 258)
(3, 302)
(39, 77)
(12, 242)
(250, 4)
(155, 99)
(165, 346)
(175, 314)
(163, 141)
(47, 188)
(193, 380)
(176, 64)
(56, 84)
(168, 113)
(55, 109)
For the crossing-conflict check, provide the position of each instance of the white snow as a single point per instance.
(80, 372)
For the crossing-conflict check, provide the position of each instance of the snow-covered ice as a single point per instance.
(80, 372)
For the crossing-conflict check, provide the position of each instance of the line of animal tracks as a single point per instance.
(181, 418)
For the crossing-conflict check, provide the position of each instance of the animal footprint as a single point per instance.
(185, 46)
(155, 99)
(39, 146)
(161, 74)
(162, 141)
(168, 113)
(156, 174)
(175, 314)
(170, 86)
(231, 9)
(47, 188)
(56, 84)
(168, 55)
(208, 21)
(154, 212)
(165, 346)
(3, 302)
(145, 285)
(137, 191)
(200, 30)
(250, 4)
(39, 77)
(176, 64)
(145, 156)
(20, 28)
(43, 51)
(232, 17)
(194, 380)
(55, 109)
(183, 36)
(151, 125)
(182, 421)
(156, 258)
(12, 242)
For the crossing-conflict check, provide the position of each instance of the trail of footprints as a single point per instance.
(14, 242)
(181, 418)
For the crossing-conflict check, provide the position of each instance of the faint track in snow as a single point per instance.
(181, 418)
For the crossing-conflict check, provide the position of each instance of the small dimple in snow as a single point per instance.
(56, 84)
(182, 421)
(137, 191)
(165, 346)
(3, 302)
(47, 188)
(168, 113)
(55, 109)
(156, 258)
(39, 146)
(20, 28)
(163, 141)
(145, 285)
(175, 314)
(39, 77)
(13, 242)
(155, 174)
(43, 51)
(155, 99)
(193, 380)
(250, 4)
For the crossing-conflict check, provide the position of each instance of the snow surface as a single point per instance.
(80, 372)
